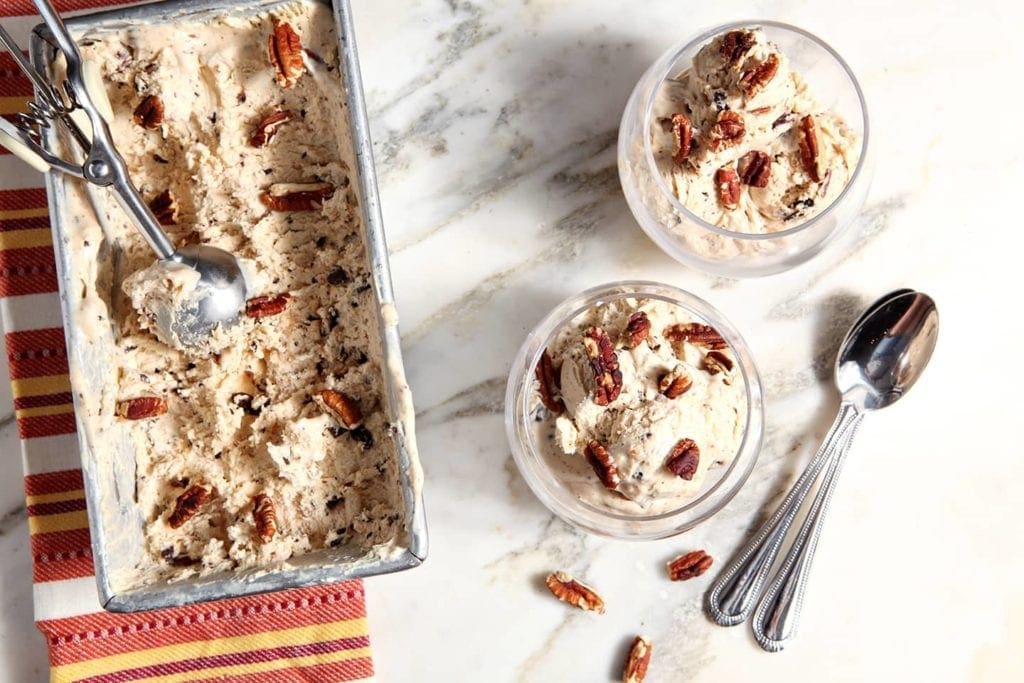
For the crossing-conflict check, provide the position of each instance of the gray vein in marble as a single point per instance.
(7, 419)
(468, 32)
(483, 398)
(12, 518)
(425, 132)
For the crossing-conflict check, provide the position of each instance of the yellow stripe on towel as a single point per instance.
(65, 521)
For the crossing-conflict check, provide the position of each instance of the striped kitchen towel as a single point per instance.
(316, 634)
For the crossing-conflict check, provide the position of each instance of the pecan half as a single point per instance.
(698, 334)
(567, 589)
(150, 112)
(675, 383)
(728, 130)
(263, 306)
(639, 659)
(605, 365)
(638, 328)
(689, 566)
(285, 49)
(165, 207)
(716, 362)
(265, 516)
(755, 168)
(597, 456)
(682, 134)
(266, 129)
(548, 381)
(755, 79)
(735, 44)
(187, 505)
(809, 148)
(141, 407)
(296, 196)
(343, 406)
(684, 459)
(727, 183)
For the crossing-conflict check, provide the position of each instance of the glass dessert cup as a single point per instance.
(693, 241)
(719, 485)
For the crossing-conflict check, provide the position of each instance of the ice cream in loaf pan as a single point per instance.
(274, 441)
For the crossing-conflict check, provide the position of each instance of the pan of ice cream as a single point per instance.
(283, 454)
(634, 410)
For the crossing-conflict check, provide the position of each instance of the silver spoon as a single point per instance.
(880, 359)
(221, 291)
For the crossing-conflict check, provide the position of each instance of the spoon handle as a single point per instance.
(778, 615)
(734, 594)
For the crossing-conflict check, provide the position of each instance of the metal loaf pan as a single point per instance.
(115, 523)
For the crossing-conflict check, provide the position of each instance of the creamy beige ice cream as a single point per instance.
(743, 142)
(291, 407)
(636, 400)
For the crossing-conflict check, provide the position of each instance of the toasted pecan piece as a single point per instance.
(698, 334)
(547, 380)
(149, 113)
(263, 306)
(578, 594)
(809, 148)
(604, 467)
(684, 459)
(638, 329)
(265, 516)
(689, 566)
(716, 362)
(675, 383)
(736, 44)
(605, 364)
(755, 168)
(728, 130)
(187, 505)
(342, 406)
(756, 78)
(285, 50)
(267, 127)
(165, 207)
(141, 407)
(296, 196)
(682, 135)
(727, 184)
(635, 670)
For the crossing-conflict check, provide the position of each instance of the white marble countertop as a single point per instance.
(494, 126)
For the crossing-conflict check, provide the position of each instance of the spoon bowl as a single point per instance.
(220, 294)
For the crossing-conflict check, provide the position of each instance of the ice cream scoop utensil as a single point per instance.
(880, 358)
(221, 292)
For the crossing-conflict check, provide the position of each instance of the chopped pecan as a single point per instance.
(675, 383)
(285, 49)
(601, 461)
(755, 168)
(735, 44)
(638, 328)
(165, 207)
(809, 148)
(639, 659)
(728, 185)
(755, 79)
(266, 129)
(567, 589)
(682, 134)
(141, 407)
(296, 196)
(342, 406)
(689, 566)
(265, 516)
(263, 306)
(150, 112)
(716, 362)
(684, 459)
(605, 364)
(187, 505)
(728, 130)
(548, 381)
(698, 334)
